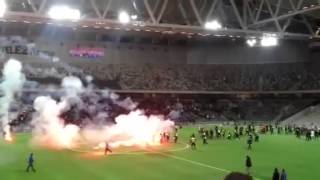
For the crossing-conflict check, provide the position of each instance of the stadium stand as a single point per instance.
(308, 118)
(171, 77)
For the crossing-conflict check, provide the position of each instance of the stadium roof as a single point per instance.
(285, 18)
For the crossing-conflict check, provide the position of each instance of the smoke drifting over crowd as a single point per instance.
(12, 82)
(132, 129)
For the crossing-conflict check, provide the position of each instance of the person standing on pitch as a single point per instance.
(204, 138)
(193, 142)
(107, 149)
(176, 137)
(276, 175)
(249, 142)
(283, 175)
(248, 164)
(30, 163)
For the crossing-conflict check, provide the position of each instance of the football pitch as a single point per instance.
(209, 162)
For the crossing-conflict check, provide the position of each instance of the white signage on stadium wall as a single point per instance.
(87, 52)
(15, 49)
(26, 50)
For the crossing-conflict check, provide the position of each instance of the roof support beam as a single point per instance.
(183, 12)
(19, 17)
(289, 20)
(236, 11)
(163, 8)
(250, 12)
(95, 8)
(276, 22)
(211, 9)
(196, 12)
(155, 7)
(308, 25)
(286, 15)
(278, 8)
(42, 5)
(244, 11)
(203, 6)
(259, 10)
(151, 15)
(33, 7)
(106, 9)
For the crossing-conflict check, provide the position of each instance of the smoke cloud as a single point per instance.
(132, 129)
(12, 82)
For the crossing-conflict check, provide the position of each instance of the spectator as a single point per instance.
(276, 175)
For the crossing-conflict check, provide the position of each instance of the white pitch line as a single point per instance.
(198, 163)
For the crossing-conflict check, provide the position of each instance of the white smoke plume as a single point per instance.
(126, 103)
(133, 129)
(49, 128)
(12, 82)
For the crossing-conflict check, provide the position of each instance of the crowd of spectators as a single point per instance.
(182, 77)
(266, 77)
(98, 108)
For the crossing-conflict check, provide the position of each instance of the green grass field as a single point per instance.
(212, 161)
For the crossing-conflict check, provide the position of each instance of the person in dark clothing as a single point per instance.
(211, 134)
(204, 139)
(176, 137)
(283, 175)
(30, 163)
(249, 142)
(193, 143)
(248, 164)
(256, 137)
(107, 149)
(276, 175)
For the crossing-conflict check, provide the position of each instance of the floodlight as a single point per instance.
(3, 8)
(64, 13)
(124, 17)
(269, 40)
(213, 25)
(134, 17)
(251, 42)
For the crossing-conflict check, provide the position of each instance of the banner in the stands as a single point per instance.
(85, 52)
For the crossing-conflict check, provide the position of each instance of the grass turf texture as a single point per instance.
(298, 157)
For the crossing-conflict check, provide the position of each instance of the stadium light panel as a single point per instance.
(3, 8)
(134, 17)
(64, 13)
(213, 25)
(268, 41)
(251, 42)
(124, 17)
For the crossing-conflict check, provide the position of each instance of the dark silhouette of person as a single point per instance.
(30, 163)
(283, 175)
(248, 164)
(276, 175)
